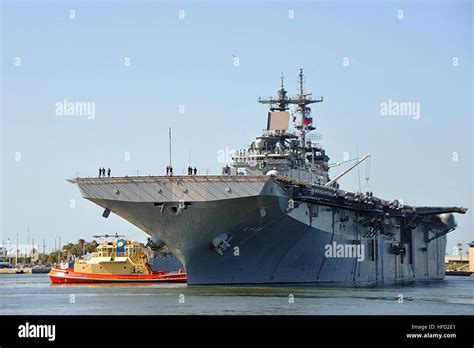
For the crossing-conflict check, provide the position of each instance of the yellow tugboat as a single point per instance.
(116, 260)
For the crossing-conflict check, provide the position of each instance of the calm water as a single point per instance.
(33, 294)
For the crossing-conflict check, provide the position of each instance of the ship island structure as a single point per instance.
(272, 215)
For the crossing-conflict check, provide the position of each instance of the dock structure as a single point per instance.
(471, 257)
(22, 270)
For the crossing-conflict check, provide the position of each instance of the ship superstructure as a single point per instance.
(279, 152)
(275, 216)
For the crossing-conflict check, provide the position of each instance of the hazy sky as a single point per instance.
(139, 61)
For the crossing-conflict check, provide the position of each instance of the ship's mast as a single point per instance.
(302, 100)
(282, 102)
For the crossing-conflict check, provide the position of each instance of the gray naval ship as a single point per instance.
(275, 216)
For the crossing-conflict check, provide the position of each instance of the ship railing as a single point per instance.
(141, 172)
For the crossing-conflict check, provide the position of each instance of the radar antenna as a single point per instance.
(109, 236)
(281, 100)
(302, 100)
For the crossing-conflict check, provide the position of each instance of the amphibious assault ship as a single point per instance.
(275, 215)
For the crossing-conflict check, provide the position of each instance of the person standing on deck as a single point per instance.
(108, 172)
(167, 170)
(100, 172)
(195, 171)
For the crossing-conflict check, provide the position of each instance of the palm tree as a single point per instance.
(82, 243)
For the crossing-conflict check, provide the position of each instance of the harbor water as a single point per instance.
(33, 294)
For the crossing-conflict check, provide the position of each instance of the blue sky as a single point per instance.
(190, 62)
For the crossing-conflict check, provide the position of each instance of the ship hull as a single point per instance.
(267, 243)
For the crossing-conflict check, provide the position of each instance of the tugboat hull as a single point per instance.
(60, 276)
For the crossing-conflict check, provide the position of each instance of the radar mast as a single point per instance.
(301, 100)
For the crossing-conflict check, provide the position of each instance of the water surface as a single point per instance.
(34, 294)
